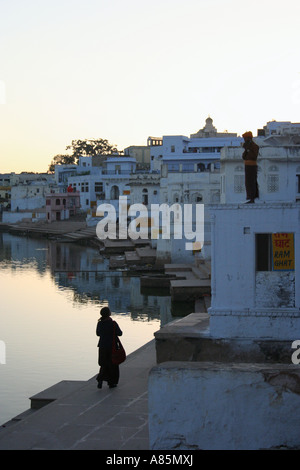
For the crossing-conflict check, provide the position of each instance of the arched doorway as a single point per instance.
(114, 192)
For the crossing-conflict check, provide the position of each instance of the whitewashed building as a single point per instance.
(255, 279)
(190, 174)
(244, 372)
(62, 173)
(104, 183)
(145, 188)
(187, 188)
(28, 201)
(278, 174)
(199, 152)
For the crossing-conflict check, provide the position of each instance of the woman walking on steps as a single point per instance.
(109, 372)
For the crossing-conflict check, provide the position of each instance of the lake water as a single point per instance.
(51, 295)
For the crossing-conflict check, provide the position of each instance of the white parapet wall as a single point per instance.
(213, 406)
(248, 301)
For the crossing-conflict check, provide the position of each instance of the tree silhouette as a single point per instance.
(83, 148)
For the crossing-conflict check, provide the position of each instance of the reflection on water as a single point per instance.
(51, 294)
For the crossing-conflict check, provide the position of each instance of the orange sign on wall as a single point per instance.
(283, 251)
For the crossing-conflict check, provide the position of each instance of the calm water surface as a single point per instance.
(51, 294)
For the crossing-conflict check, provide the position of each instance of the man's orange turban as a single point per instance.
(248, 135)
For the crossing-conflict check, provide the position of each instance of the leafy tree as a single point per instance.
(83, 148)
(86, 148)
(61, 160)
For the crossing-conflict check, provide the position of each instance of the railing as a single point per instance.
(117, 172)
(188, 170)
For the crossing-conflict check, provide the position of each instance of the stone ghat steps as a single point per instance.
(192, 281)
(189, 289)
(141, 256)
(80, 234)
(118, 246)
(72, 231)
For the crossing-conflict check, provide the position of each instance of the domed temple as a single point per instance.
(209, 130)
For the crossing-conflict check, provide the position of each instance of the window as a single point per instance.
(197, 197)
(263, 247)
(176, 198)
(298, 184)
(200, 167)
(98, 187)
(273, 183)
(172, 148)
(239, 183)
(57, 202)
(145, 197)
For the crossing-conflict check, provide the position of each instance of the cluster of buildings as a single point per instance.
(206, 168)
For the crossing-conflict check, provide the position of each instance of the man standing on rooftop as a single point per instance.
(250, 159)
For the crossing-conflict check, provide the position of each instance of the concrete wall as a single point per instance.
(224, 407)
(14, 217)
(275, 289)
(233, 238)
(244, 301)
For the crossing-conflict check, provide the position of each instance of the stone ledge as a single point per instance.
(192, 325)
(189, 339)
(269, 370)
(59, 390)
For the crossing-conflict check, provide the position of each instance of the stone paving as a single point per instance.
(87, 418)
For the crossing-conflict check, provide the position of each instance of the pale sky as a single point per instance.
(123, 70)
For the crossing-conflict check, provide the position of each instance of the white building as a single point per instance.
(199, 152)
(28, 201)
(278, 174)
(278, 166)
(255, 271)
(244, 385)
(62, 173)
(102, 184)
(145, 188)
(188, 188)
(189, 169)
(274, 129)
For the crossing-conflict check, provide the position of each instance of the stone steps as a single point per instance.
(189, 289)
(59, 390)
